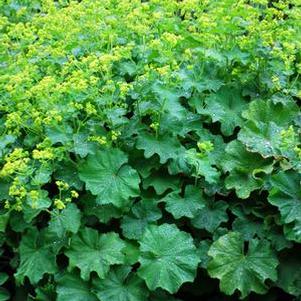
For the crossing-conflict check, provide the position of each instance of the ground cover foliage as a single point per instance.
(150, 150)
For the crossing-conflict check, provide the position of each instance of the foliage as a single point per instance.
(150, 150)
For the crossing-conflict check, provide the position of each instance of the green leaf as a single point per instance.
(248, 226)
(3, 278)
(265, 111)
(237, 157)
(290, 273)
(104, 213)
(166, 147)
(68, 173)
(242, 270)
(286, 195)
(121, 285)
(36, 257)
(243, 183)
(263, 138)
(59, 133)
(91, 251)
(108, 176)
(203, 249)
(226, 106)
(82, 146)
(142, 214)
(4, 217)
(261, 133)
(244, 168)
(292, 231)
(67, 220)
(33, 207)
(4, 294)
(184, 206)
(211, 216)
(6, 140)
(161, 182)
(46, 292)
(201, 166)
(168, 257)
(71, 287)
(42, 174)
(131, 252)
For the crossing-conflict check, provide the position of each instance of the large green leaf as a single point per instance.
(243, 183)
(286, 195)
(168, 257)
(184, 206)
(91, 251)
(265, 120)
(121, 285)
(37, 257)
(71, 287)
(226, 106)
(166, 147)
(238, 269)
(239, 158)
(265, 111)
(263, 138)
(108, 176)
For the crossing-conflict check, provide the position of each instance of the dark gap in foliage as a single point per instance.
(129, 114)
(232, 137)
(246, 247)
(42, 220)
(214, 127)
(52, 188)
(298, 100)
(62, 260)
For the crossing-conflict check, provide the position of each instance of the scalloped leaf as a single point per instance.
(241, 270)
(108, 176)
(168, 257)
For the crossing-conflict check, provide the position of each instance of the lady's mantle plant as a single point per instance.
(150, 150)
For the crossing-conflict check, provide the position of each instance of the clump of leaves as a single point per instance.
(150, 150)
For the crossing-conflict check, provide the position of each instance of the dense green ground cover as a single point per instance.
(150, 150)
